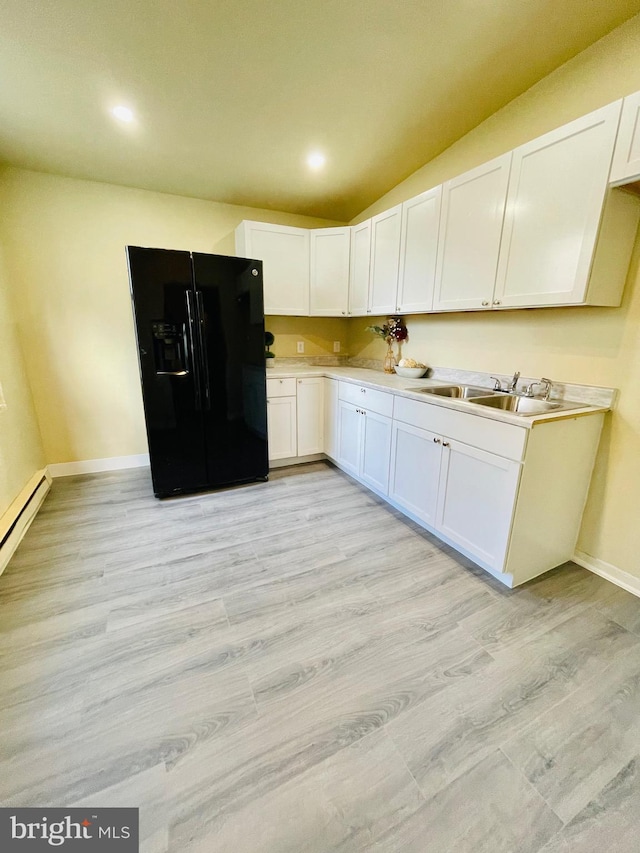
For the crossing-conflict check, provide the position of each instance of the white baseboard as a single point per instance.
(95, 466)
(16, 520)
(608, 571)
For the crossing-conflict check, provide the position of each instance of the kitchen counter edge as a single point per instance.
(398, 386)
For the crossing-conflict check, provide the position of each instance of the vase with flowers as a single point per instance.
(393, 330)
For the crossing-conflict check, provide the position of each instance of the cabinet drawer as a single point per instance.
(375, 401)
(502, 439)
(281, 388)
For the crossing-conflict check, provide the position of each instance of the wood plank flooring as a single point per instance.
(292, 666)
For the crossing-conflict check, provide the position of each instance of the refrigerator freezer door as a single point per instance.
(231, 316)
(165, 317)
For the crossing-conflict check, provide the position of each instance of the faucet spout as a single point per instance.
(514, 382)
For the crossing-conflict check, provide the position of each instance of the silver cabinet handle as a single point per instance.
(445, 444)
(485, 302)
(344, 312)
(497, 302)
(437, 440)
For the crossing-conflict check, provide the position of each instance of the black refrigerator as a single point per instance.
(200, 330)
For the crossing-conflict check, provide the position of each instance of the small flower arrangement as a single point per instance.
(393, 330)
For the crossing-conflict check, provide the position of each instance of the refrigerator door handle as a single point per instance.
(193, 335)
(203, 349)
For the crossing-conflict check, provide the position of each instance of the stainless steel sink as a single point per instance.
(460, 392)
(524, 405)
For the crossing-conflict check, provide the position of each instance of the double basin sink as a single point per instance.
(517, 405)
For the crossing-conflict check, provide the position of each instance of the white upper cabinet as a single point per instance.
(418, 251)
(385, 260)
(284, 252)
(626, 157)
(329, 277)
(554, 205)
(470, 230)
(360, 266)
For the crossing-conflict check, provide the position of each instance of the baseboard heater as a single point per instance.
(16, 520)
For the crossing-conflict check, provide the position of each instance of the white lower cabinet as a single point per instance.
(310, 398)
(507, 496)
(295, 417)
(364, 445)
(476, 500)
(330, 411)
(415, 471)
(282, 427)
(460, 491)
(349, 437)
(376, 448)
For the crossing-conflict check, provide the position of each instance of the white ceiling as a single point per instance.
(231, 95)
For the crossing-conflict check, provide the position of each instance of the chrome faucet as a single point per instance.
(514, 381)
(548, 387)
(510, 386)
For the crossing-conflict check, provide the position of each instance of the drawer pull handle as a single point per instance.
(437, 440)
(445, 444)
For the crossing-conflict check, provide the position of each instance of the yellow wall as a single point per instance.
(599, 346)
(65, 249)
(20, 445)
(317, 334)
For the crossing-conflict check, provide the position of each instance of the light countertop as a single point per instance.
(407, 388)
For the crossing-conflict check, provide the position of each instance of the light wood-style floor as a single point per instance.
(292, 666)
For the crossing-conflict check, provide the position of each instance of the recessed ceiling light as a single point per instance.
(316, 160)
(122, 113)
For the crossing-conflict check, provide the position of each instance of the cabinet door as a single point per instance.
(556, 192)
(360, 267)
(469, 241)
(331, 417)
(418, 251)
(376, 450)
(284, 252)
(415, 470)
(350, 423)
(310, 416)
(385, 260)
(282, 427)
(476, 500)
(626, 156)
(329, 276)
